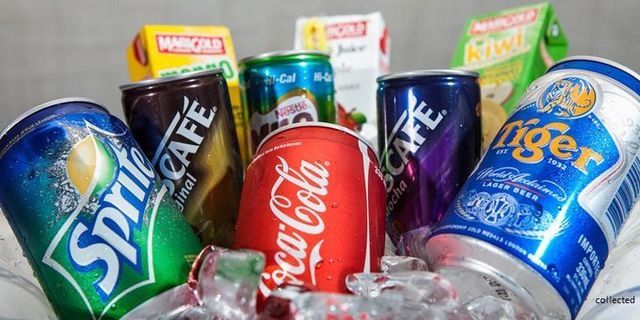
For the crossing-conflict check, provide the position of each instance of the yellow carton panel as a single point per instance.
(168, 50)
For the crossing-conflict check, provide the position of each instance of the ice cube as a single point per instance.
(412, 243)
(187, 313)
(417, 292)
(278, 304)
(222, 284)
(412, 311)
(490, 308)
(554, 316)
(394, 264)
(171, 304)
(226, 281)
(321, 306)
(368, 284)
(426, 288)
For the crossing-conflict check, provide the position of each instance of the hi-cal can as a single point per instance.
(430, 140)
(313, 202)
(184, 124)
(284, 87)
(96, 223)
(543, 208)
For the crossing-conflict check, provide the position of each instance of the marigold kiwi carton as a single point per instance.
(169, 50)
(359, 49)
(509, 49)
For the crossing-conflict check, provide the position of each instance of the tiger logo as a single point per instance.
(568, 98)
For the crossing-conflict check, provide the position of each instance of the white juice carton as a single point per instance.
(359, 49)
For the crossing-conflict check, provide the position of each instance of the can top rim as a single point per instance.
(322, 125)
(148, 82)
(598, 59)
(427, 73)
(281, 54)
(43, 106)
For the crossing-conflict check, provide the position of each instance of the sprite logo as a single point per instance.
(103, 248)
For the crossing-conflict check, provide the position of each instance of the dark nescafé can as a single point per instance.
(430, 140)
(184, 124)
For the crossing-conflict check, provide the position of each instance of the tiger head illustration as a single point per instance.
(568, 97)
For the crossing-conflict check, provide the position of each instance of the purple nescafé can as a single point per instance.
(430, 141)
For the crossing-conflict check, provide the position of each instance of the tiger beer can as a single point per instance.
(96, 224)
(313, 203)
(541, 212)
(184, 124)
(430, 139)
(284, 87)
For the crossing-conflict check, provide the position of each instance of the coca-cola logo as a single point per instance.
(300, 226)
(346, 30)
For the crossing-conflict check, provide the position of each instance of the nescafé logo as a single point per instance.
(568, 98)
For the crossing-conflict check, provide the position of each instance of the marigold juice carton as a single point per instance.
(359, 50)
(509, 49)
(168, 50)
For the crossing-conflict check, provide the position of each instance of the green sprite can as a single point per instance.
(95, 222)
(284, 87)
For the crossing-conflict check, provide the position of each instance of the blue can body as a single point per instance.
(561, 176)
(430, 140)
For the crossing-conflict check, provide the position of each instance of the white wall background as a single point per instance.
(53, 49)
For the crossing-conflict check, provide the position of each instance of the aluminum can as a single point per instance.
(184, 124)
(543, 208)
(313, 203)
(283, 87)
(430, 140)
(620, 275)
(97, 225)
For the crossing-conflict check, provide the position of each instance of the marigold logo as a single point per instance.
(190, 44)
(346, 30)
(503, 22)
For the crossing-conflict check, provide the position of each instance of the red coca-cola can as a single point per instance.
(313, 201)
